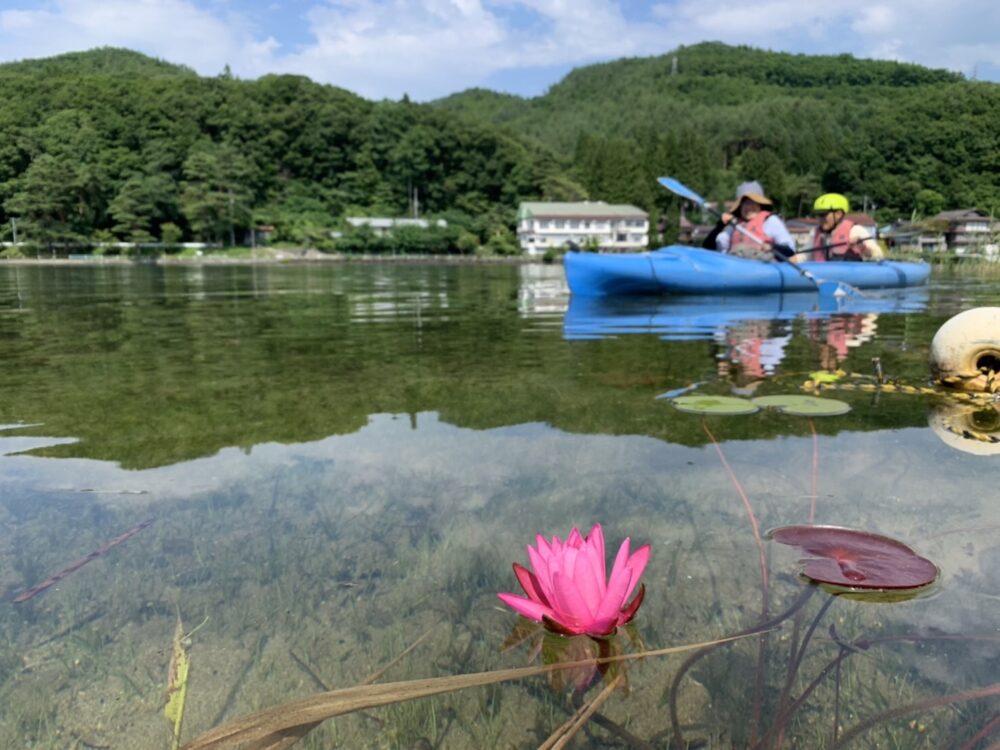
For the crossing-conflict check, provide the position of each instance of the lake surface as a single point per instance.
(340, 460)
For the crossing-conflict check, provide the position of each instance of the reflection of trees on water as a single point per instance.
(153, 366)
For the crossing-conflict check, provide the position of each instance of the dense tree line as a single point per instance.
(910, 139)
(112, 145)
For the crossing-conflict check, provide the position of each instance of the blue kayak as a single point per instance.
(677, 269)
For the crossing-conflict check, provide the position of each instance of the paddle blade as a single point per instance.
(678, 188)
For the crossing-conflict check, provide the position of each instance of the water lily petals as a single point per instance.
(601, 626)
(568, 588)
(636, 564)
(585, 576)
(543, 546)
(543, 573)
(620, 559)
(531, 610)
(595, 539)
(614, 599)
(629, 612)
(530, 584)
(570, 607)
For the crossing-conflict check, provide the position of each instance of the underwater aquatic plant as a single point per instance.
(569, 589)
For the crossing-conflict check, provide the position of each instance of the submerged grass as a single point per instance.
(342, 573)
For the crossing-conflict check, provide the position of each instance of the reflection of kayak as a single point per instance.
(700, 317)
(688, 270)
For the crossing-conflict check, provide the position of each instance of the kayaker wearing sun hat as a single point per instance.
(842, 238)
(752, 230)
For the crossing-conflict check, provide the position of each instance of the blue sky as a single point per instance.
(385, 48)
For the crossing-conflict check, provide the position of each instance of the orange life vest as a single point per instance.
(740, 244)
(840, 238)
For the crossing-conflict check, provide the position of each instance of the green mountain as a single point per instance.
(104, 60)
(110, 144)
(907, 137)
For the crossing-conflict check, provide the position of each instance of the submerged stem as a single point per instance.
(758, 687)
(675, 721)
(929, 703)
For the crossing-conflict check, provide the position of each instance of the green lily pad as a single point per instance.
(721, 405)
(804, 406)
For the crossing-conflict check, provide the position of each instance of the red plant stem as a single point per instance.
(783, 717)
(755, 527)
(758, 688)
(675, 720)
(815, 472)
(75, 566)
(836, 698)
(795, 661)
(929, 703)
(983, 733)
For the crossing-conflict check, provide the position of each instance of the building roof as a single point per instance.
(802, 223)
(961, 214)
(379, 222)
(860, 218)
(580, 210)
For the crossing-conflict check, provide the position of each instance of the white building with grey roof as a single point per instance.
(542, 226)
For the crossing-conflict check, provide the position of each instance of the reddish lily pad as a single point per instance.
(719, 405)
(804, 406)
(856, 559)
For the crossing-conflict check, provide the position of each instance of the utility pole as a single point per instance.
(13, 228)
(232, 227)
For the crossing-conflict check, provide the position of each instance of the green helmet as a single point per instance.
(831, 202)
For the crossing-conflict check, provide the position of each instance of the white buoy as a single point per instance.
(966, 349)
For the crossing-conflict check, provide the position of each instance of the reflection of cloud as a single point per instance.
(383, 48)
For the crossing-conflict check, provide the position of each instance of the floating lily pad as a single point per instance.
(856, 559)
(804, 406)
(722, 405)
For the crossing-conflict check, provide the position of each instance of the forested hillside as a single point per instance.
(113, 145)
(909, 138)
(110, 144)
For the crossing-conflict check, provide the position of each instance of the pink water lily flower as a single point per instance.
(569, 590)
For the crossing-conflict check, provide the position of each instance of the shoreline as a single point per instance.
(278, 258)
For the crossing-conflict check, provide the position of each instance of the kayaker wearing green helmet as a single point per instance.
(842, 238)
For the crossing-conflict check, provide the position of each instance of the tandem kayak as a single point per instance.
(677, 269)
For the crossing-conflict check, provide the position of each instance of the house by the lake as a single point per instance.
(382, 226)
(904, 235)
(611, 227)
(966, 230)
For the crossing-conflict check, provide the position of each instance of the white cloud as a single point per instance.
(383, 48)
(175, 30)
